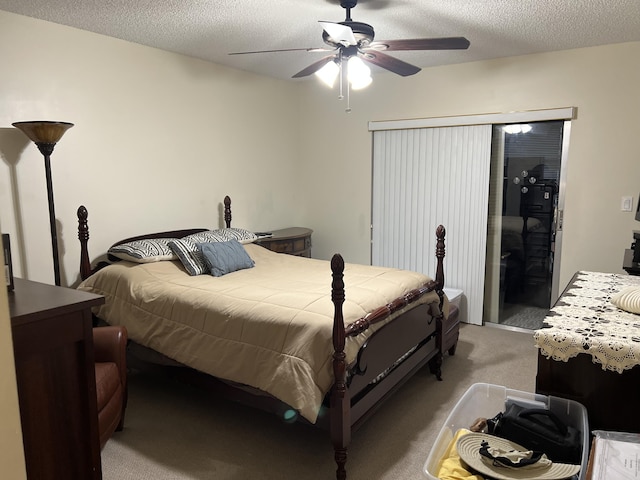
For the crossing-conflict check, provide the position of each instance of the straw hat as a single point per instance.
(502, 459)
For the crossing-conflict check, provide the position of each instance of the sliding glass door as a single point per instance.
(498, 190)
(523, 223)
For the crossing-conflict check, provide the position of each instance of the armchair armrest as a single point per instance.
(110, 345)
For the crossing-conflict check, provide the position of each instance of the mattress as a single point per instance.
(269, 326)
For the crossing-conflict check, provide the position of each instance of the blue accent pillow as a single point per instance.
(225, 257)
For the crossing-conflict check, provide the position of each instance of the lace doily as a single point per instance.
(585, 321)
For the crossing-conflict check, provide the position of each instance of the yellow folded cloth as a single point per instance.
(451, 467)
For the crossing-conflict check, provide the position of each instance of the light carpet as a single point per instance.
(176, 432)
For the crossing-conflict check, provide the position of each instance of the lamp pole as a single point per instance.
(47, 149)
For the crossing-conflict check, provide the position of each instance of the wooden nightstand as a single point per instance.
(294, 241)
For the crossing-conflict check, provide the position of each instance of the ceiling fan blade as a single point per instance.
(311, 49)
(339, 33)
(390, 63)
(445, 43)
(314, 67)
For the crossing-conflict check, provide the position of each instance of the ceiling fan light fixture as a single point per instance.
(352, 42)
(329, 73)
(358, 73)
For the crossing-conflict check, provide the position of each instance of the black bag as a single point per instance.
(539, 429)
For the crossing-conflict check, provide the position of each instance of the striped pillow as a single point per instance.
(222, 235)
(144, 251)
(189, 253)
(190, 256)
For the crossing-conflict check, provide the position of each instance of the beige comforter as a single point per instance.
(269, 326)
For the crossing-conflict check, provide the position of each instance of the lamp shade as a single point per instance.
(329, 73)
(359, 74)
(43, 131)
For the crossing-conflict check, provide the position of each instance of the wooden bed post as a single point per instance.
(227, 211)
(435, 364)
(340, 421)
(440, 234)
(83, 236)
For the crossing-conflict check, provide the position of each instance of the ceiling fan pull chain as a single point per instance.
(345, 79)
(348, 109)
(341, 73)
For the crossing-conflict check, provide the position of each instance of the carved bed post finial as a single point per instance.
(440, 234)
(227, 211)
(83, 236)
(340, 403)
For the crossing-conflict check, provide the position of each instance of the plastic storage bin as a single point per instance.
(486, 400)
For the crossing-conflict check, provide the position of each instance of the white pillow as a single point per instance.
(628, 299)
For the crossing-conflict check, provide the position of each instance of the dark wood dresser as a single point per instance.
(574, 370)
(53, 348)
(294, 241)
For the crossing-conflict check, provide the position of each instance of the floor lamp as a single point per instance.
(45, 135)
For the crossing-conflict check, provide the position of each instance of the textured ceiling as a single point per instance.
(211, 29)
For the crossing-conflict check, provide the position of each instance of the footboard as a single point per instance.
(388, 358)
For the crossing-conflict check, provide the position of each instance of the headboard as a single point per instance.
(83, 235)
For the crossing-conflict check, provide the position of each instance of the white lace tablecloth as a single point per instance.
(585, 321)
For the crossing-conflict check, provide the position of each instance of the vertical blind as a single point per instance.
(424, 177)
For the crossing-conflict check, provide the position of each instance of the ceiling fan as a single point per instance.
(356, 39)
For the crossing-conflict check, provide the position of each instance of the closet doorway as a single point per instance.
(524, 222)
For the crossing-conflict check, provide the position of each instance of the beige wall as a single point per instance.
(602, 82)
(159, 140)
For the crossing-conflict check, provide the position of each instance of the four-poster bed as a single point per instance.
(270, 335)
